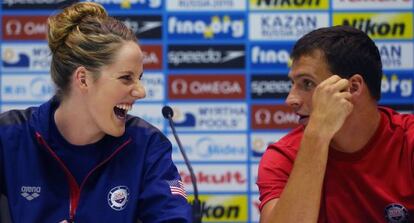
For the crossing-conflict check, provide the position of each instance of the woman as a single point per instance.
(79, 157)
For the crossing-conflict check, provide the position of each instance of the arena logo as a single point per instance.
(273, 117)
(24, 27)
(269, 56)
(403, 87)
(36, 4)
(288, 4)
(284, 26)
(270, 86)
(205, 5)
(152, 56)
(129, 4)
(378, 25)
(207, 26)
(206, 86)
(144, 27)
(228, 177)
(207, 57)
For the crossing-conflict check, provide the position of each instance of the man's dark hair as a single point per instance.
(347, 51)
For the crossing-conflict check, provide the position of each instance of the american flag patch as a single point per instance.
(177, 188)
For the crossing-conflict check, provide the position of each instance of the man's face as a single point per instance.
(306, 73)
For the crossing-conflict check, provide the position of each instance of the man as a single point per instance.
(350, 160)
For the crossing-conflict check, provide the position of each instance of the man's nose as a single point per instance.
(293, 99)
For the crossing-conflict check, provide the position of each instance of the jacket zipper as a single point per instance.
(74, 189)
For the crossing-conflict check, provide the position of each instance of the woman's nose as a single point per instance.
(138, 91)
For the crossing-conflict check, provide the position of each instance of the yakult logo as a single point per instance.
(208, 27)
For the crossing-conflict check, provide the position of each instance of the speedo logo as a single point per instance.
(217, 56)
(144, 27)
(289, 4)
(385, 25)
(208, 27)
(30, 192)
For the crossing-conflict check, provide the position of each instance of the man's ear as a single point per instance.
(80, 77)
(356, 84)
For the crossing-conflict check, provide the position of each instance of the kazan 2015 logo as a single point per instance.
(118, 197)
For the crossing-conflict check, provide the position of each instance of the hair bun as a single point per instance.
(62, 24)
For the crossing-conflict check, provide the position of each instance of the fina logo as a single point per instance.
(208, 29)
(396, 213)
(395, 84)
(118, 197)
(270, 56)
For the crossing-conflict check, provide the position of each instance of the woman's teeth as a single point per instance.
(126, 107)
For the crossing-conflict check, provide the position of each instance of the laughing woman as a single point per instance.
(80, 157)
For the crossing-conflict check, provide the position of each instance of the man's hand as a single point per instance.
(331, 105)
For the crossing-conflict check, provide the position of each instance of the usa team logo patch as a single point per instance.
(396, 213)
(118, 197)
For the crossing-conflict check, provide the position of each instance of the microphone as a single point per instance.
(168, 113)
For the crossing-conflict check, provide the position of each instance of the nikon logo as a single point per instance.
(378, 25)
(220, 211)
(377, 29)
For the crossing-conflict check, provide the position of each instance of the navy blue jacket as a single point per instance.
(134, 182)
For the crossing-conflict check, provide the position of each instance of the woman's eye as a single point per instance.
(126, 78)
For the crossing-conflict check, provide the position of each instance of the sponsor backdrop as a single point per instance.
(222, 66)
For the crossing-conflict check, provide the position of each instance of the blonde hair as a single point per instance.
(83, 35)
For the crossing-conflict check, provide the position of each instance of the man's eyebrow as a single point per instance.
(300, 75)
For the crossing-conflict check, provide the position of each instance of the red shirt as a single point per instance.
(370, 185)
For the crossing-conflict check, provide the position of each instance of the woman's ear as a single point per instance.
(80, 77)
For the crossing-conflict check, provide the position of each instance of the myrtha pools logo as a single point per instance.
(118, 197)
